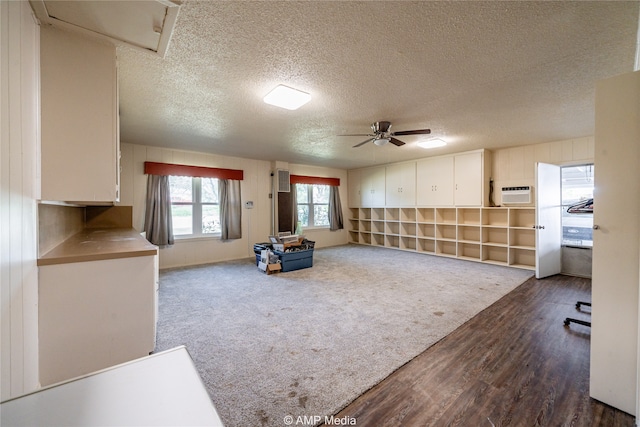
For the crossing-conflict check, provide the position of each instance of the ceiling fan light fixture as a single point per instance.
(381, 141)
(432, 143)
(286, 97)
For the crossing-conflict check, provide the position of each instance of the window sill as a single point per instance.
(193, 238)
(304, 229)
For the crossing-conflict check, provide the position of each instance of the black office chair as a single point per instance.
(569, 320)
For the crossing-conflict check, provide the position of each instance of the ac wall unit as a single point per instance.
(513, 195)
(282, 181)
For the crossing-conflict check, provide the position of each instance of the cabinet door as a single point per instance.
(434, 182)
(79, 140)
(400, 185)
(95, 314)
(468, 179)
(372, 184)
(353, 177)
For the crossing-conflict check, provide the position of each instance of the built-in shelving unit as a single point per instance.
(503, 236)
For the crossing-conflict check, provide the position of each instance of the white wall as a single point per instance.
(256, 186)
(516, 166)
(19, 189)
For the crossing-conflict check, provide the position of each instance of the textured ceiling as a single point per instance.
(478, 74)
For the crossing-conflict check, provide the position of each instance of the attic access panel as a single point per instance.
(147, 25)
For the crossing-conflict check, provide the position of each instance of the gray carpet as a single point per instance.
(308, 342)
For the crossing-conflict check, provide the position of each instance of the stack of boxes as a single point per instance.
(284, 253)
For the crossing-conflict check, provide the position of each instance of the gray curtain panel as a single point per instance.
(294, 208)
(335, 209)
(157, 219)
(230, 209)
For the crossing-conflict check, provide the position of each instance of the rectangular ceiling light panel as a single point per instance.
(286, 97)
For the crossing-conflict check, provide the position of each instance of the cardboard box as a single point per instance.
(291, 240)
(269, 268)
(269, 262)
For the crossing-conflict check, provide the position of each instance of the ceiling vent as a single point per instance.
(282, 181)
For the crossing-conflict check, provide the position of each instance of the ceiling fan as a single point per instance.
(382, 134)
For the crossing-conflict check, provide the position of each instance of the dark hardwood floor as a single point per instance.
(513, 364)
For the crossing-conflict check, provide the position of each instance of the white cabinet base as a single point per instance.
(95, 314)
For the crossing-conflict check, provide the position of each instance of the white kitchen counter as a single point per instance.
(163, 389)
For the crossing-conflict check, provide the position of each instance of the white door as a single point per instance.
(548, 220)
(615, 278)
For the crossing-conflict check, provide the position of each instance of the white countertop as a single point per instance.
(163, 389)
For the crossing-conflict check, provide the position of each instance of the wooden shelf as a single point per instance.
(501, 235)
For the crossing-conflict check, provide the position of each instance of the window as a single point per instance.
(577, 186)
(313, 205)
(195, 208)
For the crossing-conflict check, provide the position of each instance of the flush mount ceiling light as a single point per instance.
(285, 97)
(432, 143)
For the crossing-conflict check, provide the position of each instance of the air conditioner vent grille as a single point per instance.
(514, 195)
(282, 181)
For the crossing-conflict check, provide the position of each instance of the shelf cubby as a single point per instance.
(495, 254)
(354, 236)
(469, 216)
(408, 214)
(392, 241)
(496, 217)
(426, 245)
(522, 238)
(377, 226)
(364, 225)
(355, 224)
(522, 217)
(426, 230)
(445, 215)
(427, 215)
(392, 214)
(408, 228)
(377, 214)
(469, 233)
(365, 238)
(445, 232)
(392, 228)
(354, 213)
(377, 239)
(408, 243)
(522, 258)
(365, 213)
(495, 236)
(469, 251)
(446, 248)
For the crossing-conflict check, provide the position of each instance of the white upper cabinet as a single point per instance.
(372, 186)
(80, 136)
(434, 178)
(400, 189)
(468, 179)
(353, 178)
(451, 180)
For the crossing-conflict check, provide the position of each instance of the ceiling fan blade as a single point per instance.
(396, 141)
(412, 132)
(363, 142)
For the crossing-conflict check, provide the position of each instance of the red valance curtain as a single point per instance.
(154, 168)
(318, 180)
